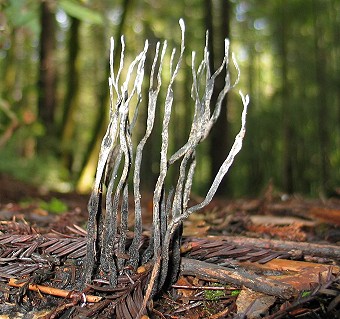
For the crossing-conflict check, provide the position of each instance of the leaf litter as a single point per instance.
(39, 256)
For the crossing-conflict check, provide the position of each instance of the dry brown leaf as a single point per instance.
(253, 304)
(186, 293)
(299, 274)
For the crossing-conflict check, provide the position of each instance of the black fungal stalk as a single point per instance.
(118, 173)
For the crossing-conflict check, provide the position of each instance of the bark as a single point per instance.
(219, 134)
(240, 277)
(288, 184)
(336, 36)
(47, 68)
(71, 98)
(323, 105)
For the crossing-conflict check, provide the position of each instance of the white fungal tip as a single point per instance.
(182, 24)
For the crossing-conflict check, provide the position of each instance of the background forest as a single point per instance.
(54, 95)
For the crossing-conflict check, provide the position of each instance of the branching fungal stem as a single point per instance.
(120, 157)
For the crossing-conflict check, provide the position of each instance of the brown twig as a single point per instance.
(238, 277)
(151, 285)
(53, 291)
(201, 287)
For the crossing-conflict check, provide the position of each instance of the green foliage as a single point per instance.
(22, 13)
(213, 295)
(305, 294)
(78, 10)
(235, 292)
(55, 206)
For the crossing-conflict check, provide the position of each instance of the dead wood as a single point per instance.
(239, 277)
(321, 250)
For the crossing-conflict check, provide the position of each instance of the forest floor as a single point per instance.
(275, 256)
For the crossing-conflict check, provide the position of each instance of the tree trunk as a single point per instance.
(288, 185)
(71, 98)
(335, 8)
(47, 71)
(322, 107)
(219, 134)
(252, 154)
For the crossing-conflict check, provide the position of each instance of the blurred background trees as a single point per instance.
(54, 88)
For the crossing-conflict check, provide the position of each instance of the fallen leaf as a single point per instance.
(253, 304)
(186, 293)
(298, 274)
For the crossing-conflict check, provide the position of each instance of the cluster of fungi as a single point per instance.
(110, 252)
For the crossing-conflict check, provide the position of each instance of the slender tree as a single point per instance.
(72, 94)
(217, 32)
(322, 98)
(47, 68)
(288, 181)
